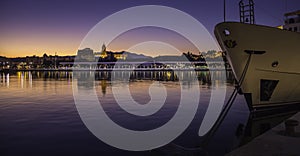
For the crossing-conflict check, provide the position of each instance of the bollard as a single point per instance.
(290, 127)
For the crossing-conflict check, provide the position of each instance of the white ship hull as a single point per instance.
(273, 74)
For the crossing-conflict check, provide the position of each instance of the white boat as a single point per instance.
(265, 60)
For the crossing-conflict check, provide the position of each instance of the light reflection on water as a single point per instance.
(38, 115)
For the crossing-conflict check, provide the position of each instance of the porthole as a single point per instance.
(275, 64)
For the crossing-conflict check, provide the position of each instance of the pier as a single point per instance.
(132, 66)
(145, 66)
(276, 141)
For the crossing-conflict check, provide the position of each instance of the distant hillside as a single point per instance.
(170, 58)
(210, 55)
(131, 55)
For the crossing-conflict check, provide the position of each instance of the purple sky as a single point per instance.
(151, 34)
(30, 27)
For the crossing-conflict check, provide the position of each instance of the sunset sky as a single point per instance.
(35, 27)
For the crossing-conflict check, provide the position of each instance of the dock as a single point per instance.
(273, 143)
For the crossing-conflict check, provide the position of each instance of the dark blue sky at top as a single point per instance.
(83, 14)
(77, 17)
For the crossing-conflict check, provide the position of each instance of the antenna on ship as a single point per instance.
(224, 9)
(247, 12)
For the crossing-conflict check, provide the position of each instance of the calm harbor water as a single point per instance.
(38, 115)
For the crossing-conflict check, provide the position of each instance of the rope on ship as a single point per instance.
(224, 112)
(229, 103)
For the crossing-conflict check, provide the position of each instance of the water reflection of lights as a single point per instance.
(25, 78)
(3, 81)
(0, 78)
(22, 79)
(7, 80)
(168, 75)
(30, 79)
(103, 87)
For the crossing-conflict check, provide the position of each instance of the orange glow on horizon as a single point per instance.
(32, 43)
(17, 44)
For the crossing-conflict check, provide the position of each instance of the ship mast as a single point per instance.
(247, 12)
(224, 9)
